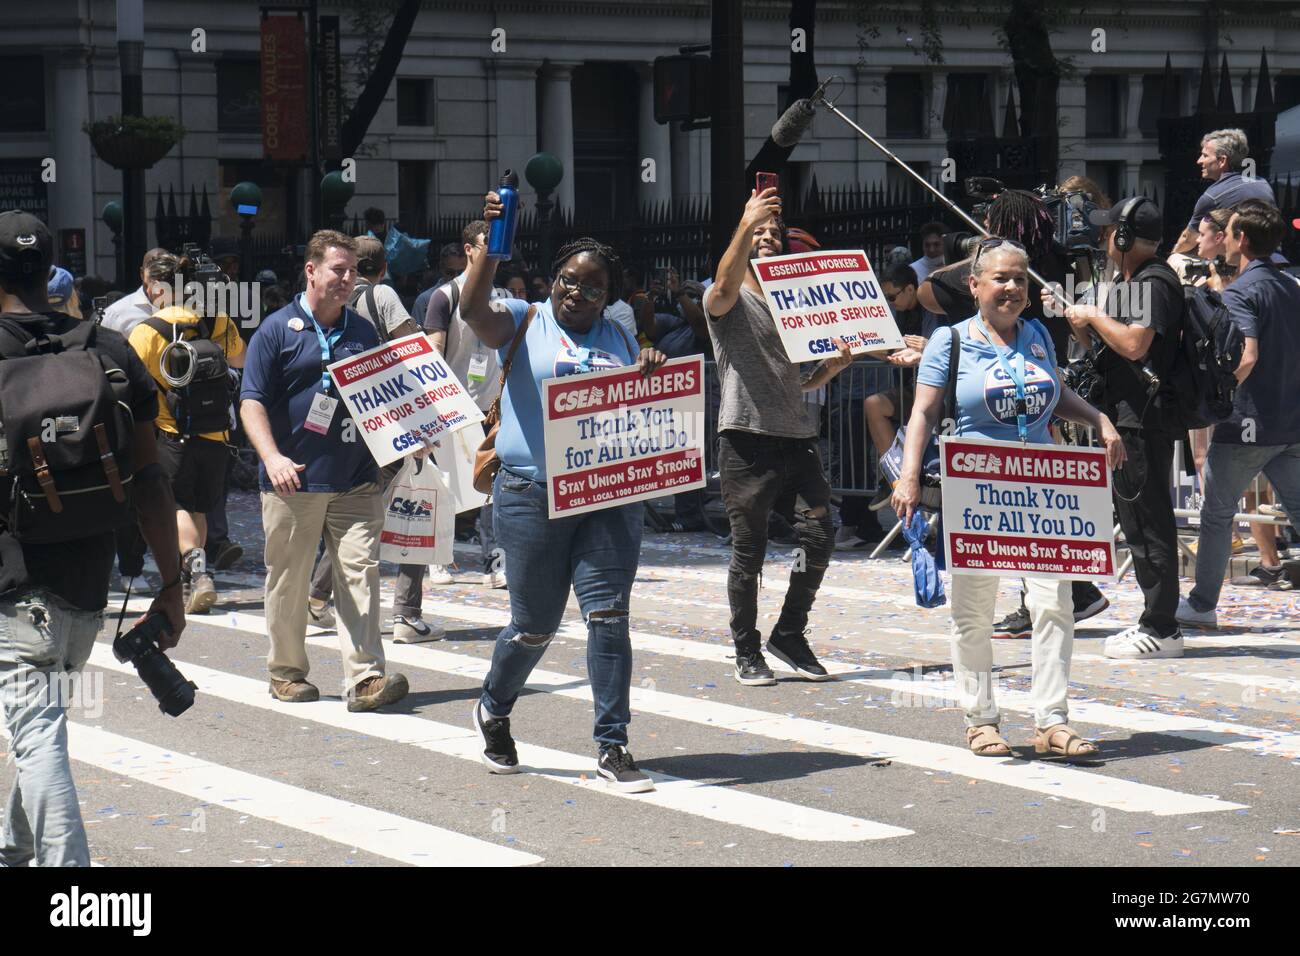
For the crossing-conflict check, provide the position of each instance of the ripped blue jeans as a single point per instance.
(43, 640)
(596, 554)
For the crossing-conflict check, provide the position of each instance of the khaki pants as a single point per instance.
(351, 522)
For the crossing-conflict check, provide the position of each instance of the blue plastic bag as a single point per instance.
(404, 254)
(925, 571)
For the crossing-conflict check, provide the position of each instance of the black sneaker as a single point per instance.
(620, 772)
(793, 649)
(499, 754)
(1275, 579)
(752, 669)
(1089, 603)
(1015, 626)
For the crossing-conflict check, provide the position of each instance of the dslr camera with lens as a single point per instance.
(139, 646)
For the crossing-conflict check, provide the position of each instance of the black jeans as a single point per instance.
(757, 470)
(1149, 525)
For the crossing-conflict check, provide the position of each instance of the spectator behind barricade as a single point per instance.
(540, 288)
(61, 292)
(932, 234)
(1135, 353)
(317, 475)
(517, 286)
(896, 256)
(595, 554)
(124, 314)
(195, 459)
(996, 339)
(1021, 217)
(477, 368)
(1223, 154)
(1263, 435)
(767, 447)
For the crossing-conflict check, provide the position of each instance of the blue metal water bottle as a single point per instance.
(501, 237)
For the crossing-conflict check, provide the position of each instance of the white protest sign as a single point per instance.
(817, 296)
(402, 393)
(618, 436)
(1039, 511)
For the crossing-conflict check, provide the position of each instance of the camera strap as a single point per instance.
(121, 615)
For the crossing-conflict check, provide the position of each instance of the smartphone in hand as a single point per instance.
(765, 180)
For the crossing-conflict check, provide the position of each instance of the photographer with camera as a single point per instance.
(1263, 434)
(55, 563)
(1133, 353)
(190, 357)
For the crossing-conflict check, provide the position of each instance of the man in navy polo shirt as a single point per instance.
(1263, 434)
(1223, 153)
(317, 475)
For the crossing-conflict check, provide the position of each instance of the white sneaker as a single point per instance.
(1136, 644)
(846, 539)
(320, 613)
(1189, 615)
(413, 630)
(494, 579)
(438, 574)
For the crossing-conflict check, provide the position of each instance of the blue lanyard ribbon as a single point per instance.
(327, 343)
(1017, 376)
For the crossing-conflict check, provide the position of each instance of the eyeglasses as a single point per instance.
(591, 293)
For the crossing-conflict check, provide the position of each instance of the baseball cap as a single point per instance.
(1145, 221)
(268, 277)
(26, 246)
(60, 287)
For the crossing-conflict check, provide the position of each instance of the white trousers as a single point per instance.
(1051, 611)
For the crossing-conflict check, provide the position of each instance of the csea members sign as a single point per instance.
(402, 395)
(617, 436)
(817, 296)
(1022, 510)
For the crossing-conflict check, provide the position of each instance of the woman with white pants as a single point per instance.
(1004, 360)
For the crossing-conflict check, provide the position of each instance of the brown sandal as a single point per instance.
(1073, 746)
(985, 741)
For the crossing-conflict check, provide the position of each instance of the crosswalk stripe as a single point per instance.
(723, 804)
(375, 831)
(1193, 728)
(1038, 776)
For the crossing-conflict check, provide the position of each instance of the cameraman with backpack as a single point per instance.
(190, 358)
(55, 565)
(1263, 434)
(1135, 351)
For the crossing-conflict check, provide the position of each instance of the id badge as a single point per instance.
(478, 367)
(321, 413)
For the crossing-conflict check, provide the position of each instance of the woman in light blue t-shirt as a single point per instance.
(997, 348)
(596, 553)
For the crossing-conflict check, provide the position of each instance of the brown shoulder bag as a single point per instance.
(486, 462)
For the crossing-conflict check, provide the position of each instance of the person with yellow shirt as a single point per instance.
(189, 357)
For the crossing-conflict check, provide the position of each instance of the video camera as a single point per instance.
(206, 269)
(1195, 268)
(1069, 211)
(139, 646)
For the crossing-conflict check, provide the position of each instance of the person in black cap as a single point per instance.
(52, 595)
(1135, 331)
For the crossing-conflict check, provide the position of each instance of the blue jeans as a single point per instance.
(1229, 470)
(596, 554)
(43, 640)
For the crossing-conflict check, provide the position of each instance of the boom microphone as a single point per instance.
(787, 130)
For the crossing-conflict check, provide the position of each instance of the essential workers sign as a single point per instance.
(1021, 510)
(817, 296)
(618, 436)
(403, 396)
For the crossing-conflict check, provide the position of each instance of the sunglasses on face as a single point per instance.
(591, 293)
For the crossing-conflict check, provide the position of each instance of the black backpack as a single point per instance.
(1201, 384)
(372, 310)
(65, 457)
(203, 405)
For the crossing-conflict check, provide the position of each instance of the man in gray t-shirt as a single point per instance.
(767, 447)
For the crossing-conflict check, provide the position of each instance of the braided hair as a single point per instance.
(613, 264)
(1021, 216)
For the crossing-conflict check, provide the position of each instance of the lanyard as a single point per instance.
(582, 352)
(1017, 376)
(327, 343)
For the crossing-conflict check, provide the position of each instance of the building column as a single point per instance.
(515, 99)
(556, 134)
(72, 195)
(869, 93)
(1072, 108)
(654, 141)
(1133, 108)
